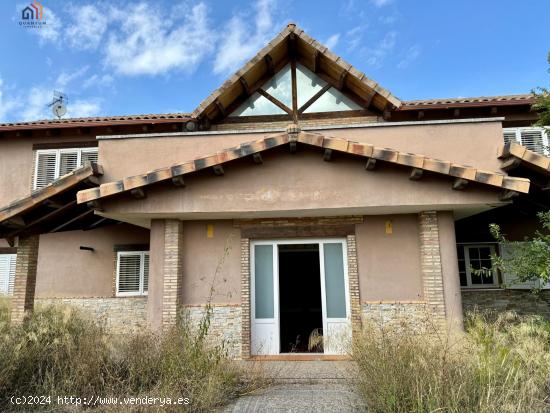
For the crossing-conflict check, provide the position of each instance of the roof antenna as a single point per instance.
(59, 104)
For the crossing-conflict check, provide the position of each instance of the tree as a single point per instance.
(530, 260)
(542, 103)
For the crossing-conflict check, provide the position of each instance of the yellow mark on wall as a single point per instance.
(389, 227)
(210, 231)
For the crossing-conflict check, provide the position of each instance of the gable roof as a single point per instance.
(418, 163)
(513, 154)
(294, 41)
(52, 208)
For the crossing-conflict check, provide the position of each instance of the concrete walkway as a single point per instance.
(302, 386)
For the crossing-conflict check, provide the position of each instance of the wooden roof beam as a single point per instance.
(245, 86)
(416, 174)
(371, 164)
(178, 181)
(221, 108)
(342, 80)
(69, 222)
(269, 64)
(257, 157)
(315, 61)
(327, 155)
(459, 184)
(138, 193)
(218, 170)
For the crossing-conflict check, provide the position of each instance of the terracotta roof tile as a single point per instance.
(469, 101)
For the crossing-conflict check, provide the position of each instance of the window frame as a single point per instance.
(545, 134)
(142, 292)
(467, 265)
(57, 152)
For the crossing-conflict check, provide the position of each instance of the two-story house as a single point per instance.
(299, 196)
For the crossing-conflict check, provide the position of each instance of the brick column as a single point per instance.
(353, 277)
(245, 297)
(172, 272)
(25, 278)
(430, 262)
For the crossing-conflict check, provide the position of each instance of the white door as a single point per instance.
(335, 296)
(7, 273)
(335, 300)
(265, 298)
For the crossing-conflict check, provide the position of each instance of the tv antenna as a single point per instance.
(59, 104)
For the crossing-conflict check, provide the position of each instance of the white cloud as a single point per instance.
(411, 55)
(238, 43)
(376, 55)
(51, 31)
(98, 81)
(87, 30)
(35, 104)
(149, 43)
(332, 41)
(354, 37)
(381, 3)
(83, 108)
(6, 104)
(66, 78)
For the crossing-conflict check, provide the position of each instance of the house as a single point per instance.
(300, 196)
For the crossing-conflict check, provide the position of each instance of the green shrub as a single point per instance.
(497, 366)
(59, 351)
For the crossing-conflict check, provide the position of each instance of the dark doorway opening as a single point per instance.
(300, 307)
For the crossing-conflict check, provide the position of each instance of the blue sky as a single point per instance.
(115, 58)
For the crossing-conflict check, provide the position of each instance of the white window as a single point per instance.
(534, 139)
(475, 257)
(52, 164)
(132, 276)
(7, 273)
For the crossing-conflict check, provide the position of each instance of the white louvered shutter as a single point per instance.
(88, 155)
(129, 269)
(7, 273)
(532, 139)
(510, 135)
(46, 172)
(145, 272)
(68, 161)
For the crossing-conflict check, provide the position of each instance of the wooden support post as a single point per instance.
(220, 107)
(95, 205)
(138, 193)
(178, 181)
(510, 163)
(257, 157)
(342, 80)
(371, 164)
(218, 170)
(508, 195)
(460, 184)
(416, 174)
(269, 63)
(327, 155)
(246, 88)
(315, 62)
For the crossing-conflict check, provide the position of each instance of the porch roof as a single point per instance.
(461, 174)
(513, 155)
(52, 208)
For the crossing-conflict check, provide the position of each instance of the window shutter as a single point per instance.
(507, 251)
(509, 135)
(45, 169)
(145, 272)
(89, 155)
(532, 139)
(68, 162)
(129, 273)
(7, 273)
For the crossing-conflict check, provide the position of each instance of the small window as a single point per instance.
(534, 139)
(132, 273)
(475, 257)
(51, 164)
(7, 273)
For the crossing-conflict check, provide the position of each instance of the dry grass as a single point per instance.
(59, 351)
(500, 365)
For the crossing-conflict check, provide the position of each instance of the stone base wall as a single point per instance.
(225, 325)
(522, 302)
(118, 315)
(413, 314)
